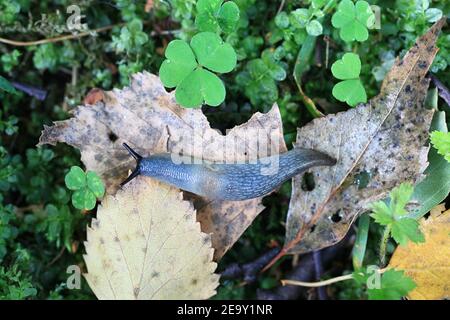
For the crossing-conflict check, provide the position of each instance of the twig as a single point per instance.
(280, 8)
(318, 269)
(249, 271)
(317, 284)
(444, 93)
(305, 272)
(76, 36)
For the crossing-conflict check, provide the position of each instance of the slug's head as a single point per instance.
(137, 170)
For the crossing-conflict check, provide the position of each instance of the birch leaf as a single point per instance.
(383, 142)
(147, 117)
(428, 263)
(146, 244)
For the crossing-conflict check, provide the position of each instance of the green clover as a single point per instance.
(87, 188)
(353, 20)
(351, 90)
(190, 69)
(213, 16)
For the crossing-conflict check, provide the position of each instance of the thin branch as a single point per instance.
(317, 284)
(76, 36)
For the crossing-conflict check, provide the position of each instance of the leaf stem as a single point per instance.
(383, 245)
(317, 284)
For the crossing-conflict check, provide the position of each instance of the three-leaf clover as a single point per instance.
(353, 20)
(87, 186)
(213, 16)
(351, 89)
(394, 215)
(441, 141)
(190, 69)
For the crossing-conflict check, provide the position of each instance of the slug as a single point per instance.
(227, 181)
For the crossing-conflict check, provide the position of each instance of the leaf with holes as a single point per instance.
(386, 140)
(147, 117)
(146, 244)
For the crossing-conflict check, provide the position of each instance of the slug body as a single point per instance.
(229, 181)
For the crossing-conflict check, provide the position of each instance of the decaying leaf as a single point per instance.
(146, 244)
(147, 117)
(428, 263)
(377, 145)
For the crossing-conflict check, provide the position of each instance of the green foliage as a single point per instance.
(5, 85)
(435, 187)
(259, 78)
(353, 20)
(87, 188)
(351, 89)
(394, 215)
(186, 69)
(393, 284)
(215, 16)
(441, 141)
(39, 224)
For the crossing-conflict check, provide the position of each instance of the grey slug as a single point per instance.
(227, 181)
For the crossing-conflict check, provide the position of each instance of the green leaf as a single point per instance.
(348, 67)
(436, 186)
(353, 20)
(405, 229)
(198, 87)
(179, 63)
(400, 197)
(5, 85)
(299, 18)
(95, 184)
(350, 91)
(381, 213)
(359, 248)
(212, 16)
(441, 142)
(213, 53)
(402, 228)
(394, 286)
(282, 20)
(84, 199)
(314, 28)
(207, 11)
(75, 179)
(228, 16)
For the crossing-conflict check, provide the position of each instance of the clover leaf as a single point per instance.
(189, 69)
(87, 188)
(351, 89)
(353, 20)
(213, 16)
(179, 63)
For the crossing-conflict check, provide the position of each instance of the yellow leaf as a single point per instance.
(428, 264)
(146, 244)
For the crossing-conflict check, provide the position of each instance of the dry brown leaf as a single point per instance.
(387, 138)
(146, 244)
(93, 96)
(428, 263)
(145, 116)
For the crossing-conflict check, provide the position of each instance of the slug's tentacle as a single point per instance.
(137, 170)
(229, 181)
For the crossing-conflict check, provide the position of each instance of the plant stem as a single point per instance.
(383, 245)
(317, 284)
